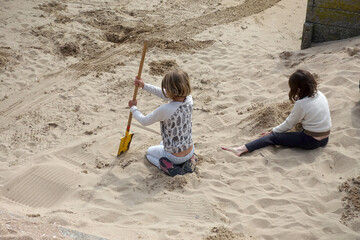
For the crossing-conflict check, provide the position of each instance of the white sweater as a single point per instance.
(312, 112)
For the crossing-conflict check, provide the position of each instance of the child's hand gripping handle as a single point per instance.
(136, 87)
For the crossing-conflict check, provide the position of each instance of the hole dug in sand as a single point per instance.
(69, 49)
(52, 7)
(162, 67)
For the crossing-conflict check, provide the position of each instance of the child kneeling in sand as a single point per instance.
(311, 108)
(175, 154)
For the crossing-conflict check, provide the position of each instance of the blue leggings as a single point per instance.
(288, 139)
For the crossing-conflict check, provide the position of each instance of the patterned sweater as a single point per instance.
(174, 118)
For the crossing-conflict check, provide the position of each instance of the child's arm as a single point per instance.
(151, 89)
(297, 114)
(160, 114)
(155, 90)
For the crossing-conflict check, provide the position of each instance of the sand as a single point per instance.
(66, 75)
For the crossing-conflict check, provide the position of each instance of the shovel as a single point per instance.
(125, 141)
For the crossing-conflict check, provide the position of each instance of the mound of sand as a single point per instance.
(266, 116)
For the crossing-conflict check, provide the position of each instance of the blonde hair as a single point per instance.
(176, 84)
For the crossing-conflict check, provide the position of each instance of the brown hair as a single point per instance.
(176, 84)
(302, 84)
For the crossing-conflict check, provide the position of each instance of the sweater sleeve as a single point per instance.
(296, 115)
(155, 90)
(159, 114)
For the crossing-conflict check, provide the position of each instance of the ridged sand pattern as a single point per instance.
(41, 186)
(215, 123)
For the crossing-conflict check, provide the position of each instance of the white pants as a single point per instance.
(154, 153)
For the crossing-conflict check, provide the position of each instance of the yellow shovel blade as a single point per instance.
(125, 143)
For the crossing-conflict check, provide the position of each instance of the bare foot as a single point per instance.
(237, 150)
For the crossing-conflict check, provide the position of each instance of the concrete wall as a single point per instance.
(328, 20)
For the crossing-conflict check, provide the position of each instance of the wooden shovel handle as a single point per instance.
(138, 77)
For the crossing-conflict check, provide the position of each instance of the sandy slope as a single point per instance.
(66, 71)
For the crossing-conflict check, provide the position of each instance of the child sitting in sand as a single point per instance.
(175, 154)
(311, 109)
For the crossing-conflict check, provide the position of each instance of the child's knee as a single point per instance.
(153, 160)
(148, 151)
(155, 151)
(152, 151)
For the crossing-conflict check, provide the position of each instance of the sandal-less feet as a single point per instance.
(169, 168)
(237, 150)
